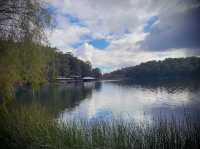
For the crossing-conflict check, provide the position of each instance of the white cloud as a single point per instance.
(121, 53)
(65, 34)
(120, 22)
(115, 16)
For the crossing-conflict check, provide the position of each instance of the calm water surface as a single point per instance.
(128, 100)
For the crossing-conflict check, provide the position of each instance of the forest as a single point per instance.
(168, 68)
(25, 55)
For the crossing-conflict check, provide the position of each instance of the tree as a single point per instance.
(86, 68)
(23, 19)
(96, 73)
(63, 64)
(22, 57)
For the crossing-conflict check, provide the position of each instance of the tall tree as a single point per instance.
(23, 19)
(22, 57)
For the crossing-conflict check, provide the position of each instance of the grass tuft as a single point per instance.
(33, 127)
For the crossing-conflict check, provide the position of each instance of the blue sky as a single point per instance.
(74, 20)
(96, 43)
(99, 43)
(150, 22)
(112, 34)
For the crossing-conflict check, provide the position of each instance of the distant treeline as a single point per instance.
(169, 68)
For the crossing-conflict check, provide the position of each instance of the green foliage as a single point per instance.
(51, 70)
(25, 127)
(32, 64)
(169, 68)
(67, 65)
(22, 58)
(22, 63)
(8, 68)
(34, 127)
(28, 63)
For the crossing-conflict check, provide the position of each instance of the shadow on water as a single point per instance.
(58, 97)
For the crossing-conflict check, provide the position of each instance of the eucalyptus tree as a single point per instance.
(23, 57)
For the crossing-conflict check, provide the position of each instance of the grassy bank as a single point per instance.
(33, 127)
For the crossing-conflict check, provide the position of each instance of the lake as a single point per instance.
(127, 100)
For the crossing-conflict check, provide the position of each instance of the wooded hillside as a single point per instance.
(169, 68)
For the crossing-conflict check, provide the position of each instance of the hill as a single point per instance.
(168, 68)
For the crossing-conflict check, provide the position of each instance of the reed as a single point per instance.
(33, 127)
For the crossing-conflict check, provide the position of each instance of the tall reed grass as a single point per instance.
(33, 127)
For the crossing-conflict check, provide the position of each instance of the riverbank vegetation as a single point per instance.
(22, 58)
(34, 127)
(25, 57)
(27, 63)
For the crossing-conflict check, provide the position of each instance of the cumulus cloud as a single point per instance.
(62, 38)
(174, 33)
(121, 54)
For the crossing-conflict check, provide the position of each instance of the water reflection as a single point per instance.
(138, 100)
(57, 97)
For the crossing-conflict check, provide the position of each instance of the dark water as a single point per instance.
(139, 101)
